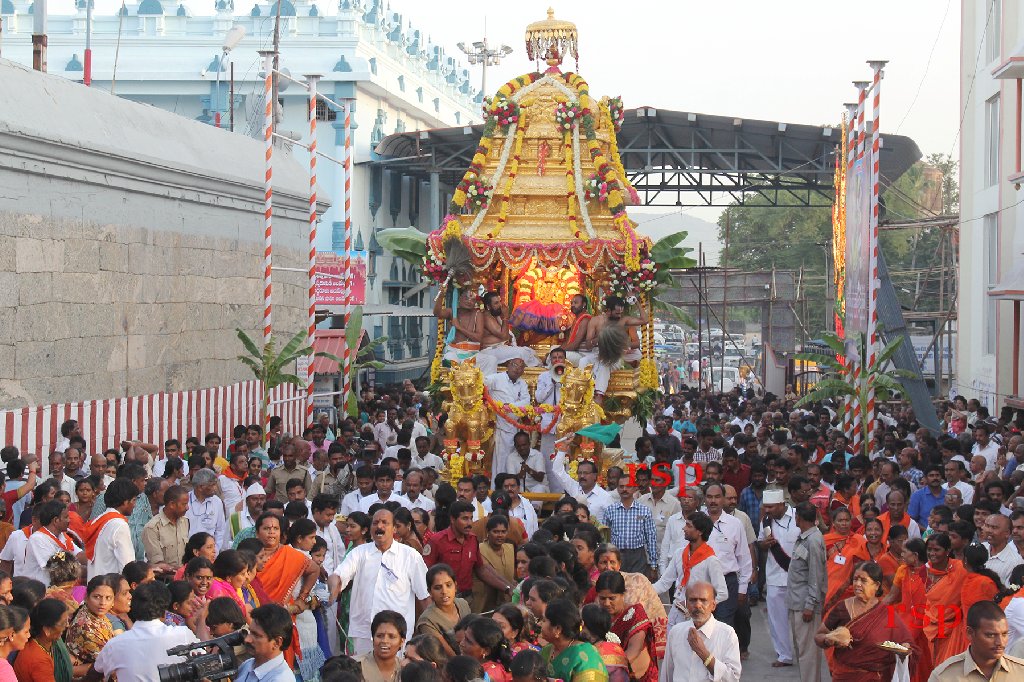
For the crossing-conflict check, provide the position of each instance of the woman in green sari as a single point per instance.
(45, 657)
(569, 658)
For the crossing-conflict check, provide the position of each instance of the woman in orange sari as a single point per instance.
(891, 559)
(980, 584)
(943, 579)
(288, 575)
(908, 592)
(841, 546)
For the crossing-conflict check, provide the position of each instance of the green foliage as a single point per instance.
(406, 243)
(643, 406)
(669, 253)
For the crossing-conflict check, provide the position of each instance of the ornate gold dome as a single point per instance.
(552, 39)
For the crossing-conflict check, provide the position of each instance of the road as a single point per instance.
(762, 655)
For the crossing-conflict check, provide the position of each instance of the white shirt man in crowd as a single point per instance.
(778, 535)
(985, 446)
(423, 458)
(507, 387)
(701, 648)
(232, 482)
(108, 538)
(255, 498)
(413, 495)
(385, 575)
(1003, 556)
(586, 489)
(384, 480)
(519, 507)
(527, 464)
(729, 540)
(364, 488)
(205, 509)
(696, 563)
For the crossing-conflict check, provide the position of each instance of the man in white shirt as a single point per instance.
(48, 540)
(661, 504)
(697, 562)
(1003, 554)
(423, 458)
(384, 479)
(519, 507)
(57, 473)
(527, 464)
(777, 537)
(413, 495)
(385, 575)
(586, 490)
(673, 542)
(549, 391)
(68, 429)
(729, 540)
(137, 654)
(232, 482)
(205, 509)
(108, 538)
(985, 446)
(364, 488)
(15, 551)
(955, 469)
(255, 499)
(701, 648)
(509, 388)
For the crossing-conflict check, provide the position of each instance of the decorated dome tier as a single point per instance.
(546, 184)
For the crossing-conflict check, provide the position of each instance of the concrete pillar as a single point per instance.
(435, 201)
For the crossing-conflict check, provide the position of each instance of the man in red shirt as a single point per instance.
(733, 472)
(458, 547)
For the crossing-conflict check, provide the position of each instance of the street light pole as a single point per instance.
(481, 54)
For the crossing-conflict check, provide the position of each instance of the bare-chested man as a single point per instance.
(578, 334)
(612, 317)
(495, 341)
(467, 322)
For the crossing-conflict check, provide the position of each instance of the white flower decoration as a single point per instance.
(613, 638)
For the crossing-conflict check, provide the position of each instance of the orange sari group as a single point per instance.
(938, 597)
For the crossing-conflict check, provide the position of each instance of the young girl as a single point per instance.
(90, 629)
(230, 572)
(356, 532)
(14, 635)
(199, 574)
(510, 619)
(302, 536)
(321, 592)
(181, 611)
(484, 642)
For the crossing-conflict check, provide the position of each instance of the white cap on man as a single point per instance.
(255, 489)
(772, 496)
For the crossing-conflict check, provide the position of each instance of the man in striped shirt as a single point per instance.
(633, 531)
(706, 452)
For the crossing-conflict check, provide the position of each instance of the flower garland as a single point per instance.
(475, 171)
(578, 179)
(436, 363)
(433, 268)
(513, 414)
(596, 188)
(511, 178)
(477, 193)
(630, 284)
(648, 368)
(570, 186)
(504, 112)
(567, 115)
(617, 112)
(613, 148)
(506, 151)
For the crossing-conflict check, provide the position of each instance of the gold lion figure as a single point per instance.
(469, 419)
(577, 402)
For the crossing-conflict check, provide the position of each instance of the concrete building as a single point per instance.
(991, 281)
(159, 52)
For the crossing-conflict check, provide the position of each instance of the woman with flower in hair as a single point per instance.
(65, 572)
(512, 622)
(631, 624)
(597, 625)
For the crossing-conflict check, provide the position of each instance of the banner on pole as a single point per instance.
(858, 245)
(330, 282)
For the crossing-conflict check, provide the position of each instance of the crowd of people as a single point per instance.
(349, 553)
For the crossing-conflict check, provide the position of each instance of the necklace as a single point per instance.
(45, 650)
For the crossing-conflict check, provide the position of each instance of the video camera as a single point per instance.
(219, 664)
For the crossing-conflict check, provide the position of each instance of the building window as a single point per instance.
(993, 23)
(991, 255)
(992, 141)
(324, 112)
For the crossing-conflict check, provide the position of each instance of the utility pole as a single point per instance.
(481, 54)
(276, 63)
(39, 36)
(87, 69)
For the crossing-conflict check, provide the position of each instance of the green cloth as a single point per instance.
(604, 433)
(249, 532)
(61, 661)
(580, 662)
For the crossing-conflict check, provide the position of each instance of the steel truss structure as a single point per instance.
(682, 159)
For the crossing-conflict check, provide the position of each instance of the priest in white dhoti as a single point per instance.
(510, 388)
(549, 391)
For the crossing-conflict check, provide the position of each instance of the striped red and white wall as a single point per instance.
(151, 418)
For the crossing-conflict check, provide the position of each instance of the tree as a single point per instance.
(839, 382)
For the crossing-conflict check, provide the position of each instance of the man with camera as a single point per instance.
(137, 654)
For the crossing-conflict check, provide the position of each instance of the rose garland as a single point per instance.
(514, 413)
(629, 284)
(617, 112)
(567, 115)
(511, 178)
(504, 112)
(596, 188)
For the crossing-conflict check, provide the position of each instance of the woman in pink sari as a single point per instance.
(857, 625)
(230, 573)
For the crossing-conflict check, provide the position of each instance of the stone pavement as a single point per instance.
(762, 655)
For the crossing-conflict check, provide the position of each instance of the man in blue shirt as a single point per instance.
(269, 635)
(928, 496)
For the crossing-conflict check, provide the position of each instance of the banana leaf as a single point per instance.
(407, 243)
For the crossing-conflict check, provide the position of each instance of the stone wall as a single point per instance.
(131, 245)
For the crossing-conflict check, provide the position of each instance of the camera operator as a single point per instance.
(223, 616)
(149, 635)
(270, 633)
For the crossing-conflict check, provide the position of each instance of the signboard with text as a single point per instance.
(330, 278)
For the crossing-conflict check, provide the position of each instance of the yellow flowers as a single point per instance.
(479, 159)
(459, 197)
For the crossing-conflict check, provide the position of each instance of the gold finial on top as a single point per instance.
(552, 40)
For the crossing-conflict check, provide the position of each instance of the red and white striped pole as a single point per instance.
(872, 335)
(312, 80)
(857, 423)
(851, 156)
(268, 187)
(346, 369)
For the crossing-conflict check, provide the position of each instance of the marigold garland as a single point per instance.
(510, 179)
(436, 363)
(570, 187)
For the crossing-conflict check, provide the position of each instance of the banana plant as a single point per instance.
(353, 335)
(839, 383)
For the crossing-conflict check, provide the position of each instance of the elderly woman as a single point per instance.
(857, 625)
(45, 658)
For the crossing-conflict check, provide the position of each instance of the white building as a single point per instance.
(166, 56)
(991, 284)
